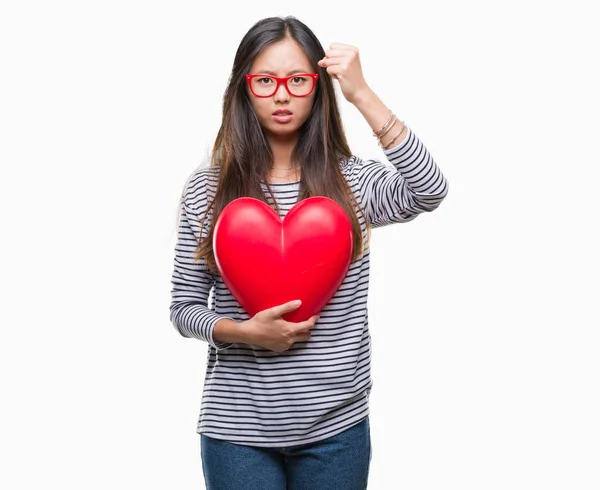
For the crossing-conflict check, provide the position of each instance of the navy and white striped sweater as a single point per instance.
(320, 387)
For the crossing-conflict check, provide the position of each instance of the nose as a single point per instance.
(281, 95)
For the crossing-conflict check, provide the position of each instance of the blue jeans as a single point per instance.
(340, 462)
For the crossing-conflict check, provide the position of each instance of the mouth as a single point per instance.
(282, 116)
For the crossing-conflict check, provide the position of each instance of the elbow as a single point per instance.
(174, 318)
(433, 200)
(444, 191)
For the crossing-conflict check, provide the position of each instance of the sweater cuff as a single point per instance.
(390, 152)
(211, 329)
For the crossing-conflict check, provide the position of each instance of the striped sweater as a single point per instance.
(320, 387)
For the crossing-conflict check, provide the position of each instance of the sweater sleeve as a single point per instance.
(191, 283)
(399, 192)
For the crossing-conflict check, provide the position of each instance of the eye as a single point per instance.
(298, 80)
(266, 79)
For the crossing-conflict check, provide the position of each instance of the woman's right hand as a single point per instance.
(267, 329)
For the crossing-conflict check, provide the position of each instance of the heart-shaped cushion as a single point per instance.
(266, 261)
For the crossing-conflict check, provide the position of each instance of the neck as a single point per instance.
(282, 147)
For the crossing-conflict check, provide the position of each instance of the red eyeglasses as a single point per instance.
(298, 85)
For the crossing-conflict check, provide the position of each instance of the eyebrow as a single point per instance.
(267, 72)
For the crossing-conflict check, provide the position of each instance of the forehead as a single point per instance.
(281, 58)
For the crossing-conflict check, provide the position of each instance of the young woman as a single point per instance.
(285, 405)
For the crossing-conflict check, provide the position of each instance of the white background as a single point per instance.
(489, 376)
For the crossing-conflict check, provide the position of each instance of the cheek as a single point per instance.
(307, 107)
(263, 110)
(259, 107)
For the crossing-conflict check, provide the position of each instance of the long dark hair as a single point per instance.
(243, 154)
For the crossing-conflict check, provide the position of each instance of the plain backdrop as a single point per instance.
(483, 314)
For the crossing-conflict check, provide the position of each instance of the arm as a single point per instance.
(412, 185)
(191, 284)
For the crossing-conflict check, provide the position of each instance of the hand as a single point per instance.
(267, 329)
(343, 63)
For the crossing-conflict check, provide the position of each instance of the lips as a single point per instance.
(282, 116)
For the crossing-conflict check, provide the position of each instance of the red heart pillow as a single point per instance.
(266, 261)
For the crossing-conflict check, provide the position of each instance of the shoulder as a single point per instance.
(348, 165)
(201, 179)
(354, 166)
(201, 183)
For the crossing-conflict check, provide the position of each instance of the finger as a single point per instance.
(286, 307)
(343, 46)
(332, 68)
(333, 72)
(307, 324)
(329, 62)
(336, 53)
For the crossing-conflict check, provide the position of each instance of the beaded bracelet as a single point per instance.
(395, 137)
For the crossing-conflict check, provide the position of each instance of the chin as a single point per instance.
(282, 129)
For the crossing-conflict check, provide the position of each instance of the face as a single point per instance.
(282, 59)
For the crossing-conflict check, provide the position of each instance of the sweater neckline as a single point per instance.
(281, 183)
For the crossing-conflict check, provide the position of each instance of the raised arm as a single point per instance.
(413, 184)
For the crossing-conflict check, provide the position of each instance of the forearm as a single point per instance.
(376, 113)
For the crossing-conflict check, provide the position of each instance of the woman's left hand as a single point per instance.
(343, 63)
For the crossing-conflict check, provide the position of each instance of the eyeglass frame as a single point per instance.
(284, 81)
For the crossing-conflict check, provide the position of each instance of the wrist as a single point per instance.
(246, 331)
(363, 97)
(230, 331)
